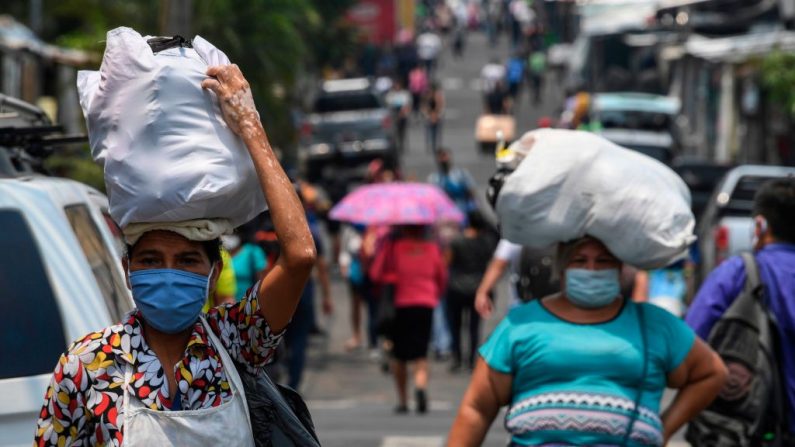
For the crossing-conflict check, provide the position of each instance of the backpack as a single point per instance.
(749, 409)
(279, 417)
(535, 273)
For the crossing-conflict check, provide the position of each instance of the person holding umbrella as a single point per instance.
(408, 263)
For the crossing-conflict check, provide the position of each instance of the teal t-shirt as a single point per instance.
(576, 384)
(247, 262)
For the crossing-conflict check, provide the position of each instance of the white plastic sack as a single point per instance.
(573, 183)
(166, 150)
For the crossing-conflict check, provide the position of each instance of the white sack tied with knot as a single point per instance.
(167, 153)
(571, 184)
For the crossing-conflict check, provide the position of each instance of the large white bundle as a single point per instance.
(167, 152)
(575, 183)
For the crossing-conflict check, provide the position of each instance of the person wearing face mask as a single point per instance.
(248, 262)
(774, 253)
(587, 366)
(166, 374)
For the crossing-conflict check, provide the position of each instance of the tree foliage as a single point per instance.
(275, 42)
(778, 78)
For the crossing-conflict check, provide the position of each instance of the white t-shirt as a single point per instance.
(428, 46)
(491, 74)
(508, 251)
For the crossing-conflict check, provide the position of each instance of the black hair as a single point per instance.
(211, 247)
(477, 221)
(775, 201)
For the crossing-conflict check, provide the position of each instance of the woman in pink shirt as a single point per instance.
(416, 267)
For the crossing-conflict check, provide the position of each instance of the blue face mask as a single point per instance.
(170, 300)
(591, 289)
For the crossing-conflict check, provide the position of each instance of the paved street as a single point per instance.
(350, 398)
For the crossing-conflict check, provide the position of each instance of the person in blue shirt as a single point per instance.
(248, 262)
(774, 234)
(587, 366)
(456, 182)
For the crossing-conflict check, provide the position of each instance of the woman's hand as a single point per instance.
(699, 380)
(235, 98)
(281, 289)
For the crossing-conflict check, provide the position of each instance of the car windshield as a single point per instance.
(31, 332)
(658, 153)
(627, 119)
(346, 102)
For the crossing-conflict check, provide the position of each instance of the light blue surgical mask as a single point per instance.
(170, 300)
(591, 289)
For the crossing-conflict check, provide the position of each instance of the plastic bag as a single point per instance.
(168, 155)
(573, 183)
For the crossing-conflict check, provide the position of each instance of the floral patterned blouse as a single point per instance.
(84, 406)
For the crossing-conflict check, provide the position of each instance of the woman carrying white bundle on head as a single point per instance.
(588, 366)
(166, 374)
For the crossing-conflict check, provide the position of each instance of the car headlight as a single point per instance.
(320, 149)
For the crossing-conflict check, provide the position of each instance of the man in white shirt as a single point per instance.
(506, 255)
(429, 45)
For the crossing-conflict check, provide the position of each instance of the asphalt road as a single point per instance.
(351, 400)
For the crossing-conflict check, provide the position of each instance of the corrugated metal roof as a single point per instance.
(739, 48)
(14, 36)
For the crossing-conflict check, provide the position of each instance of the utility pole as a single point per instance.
(176, 17)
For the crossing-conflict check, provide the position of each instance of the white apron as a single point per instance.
(227, 424)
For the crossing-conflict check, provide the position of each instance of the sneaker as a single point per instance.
(401, 409)
(422, 401)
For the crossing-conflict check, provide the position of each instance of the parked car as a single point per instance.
(701, 177)
(638, 121)
(349, 125)
(60, 269)
(726, 227)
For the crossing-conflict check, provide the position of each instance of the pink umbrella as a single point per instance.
(395, 204)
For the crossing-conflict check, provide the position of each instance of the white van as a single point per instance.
(60, 278)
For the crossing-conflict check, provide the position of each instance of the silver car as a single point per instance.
(727, 227)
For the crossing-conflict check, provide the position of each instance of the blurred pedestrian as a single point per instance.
(665, 287)
(296, 337)
(498, 100)
(536, 70)
(433, 111)
(456, 182)
(491, 73)
(400, 103)
(429, 47)
(515, 74)
(352, 268)
(505, 258)
(467, 258)
(414, 265)
(418, 86)
(774, 252)
(249, 262)
(596, 361)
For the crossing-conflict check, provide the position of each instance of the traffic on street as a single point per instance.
(397, 223)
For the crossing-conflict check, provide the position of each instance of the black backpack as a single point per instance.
(535, 273)
(749, 409)
(279, 416)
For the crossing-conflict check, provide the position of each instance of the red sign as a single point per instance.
(376, 19)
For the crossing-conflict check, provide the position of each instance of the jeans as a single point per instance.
(440, 335)
(297, 335)
(433, 136)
